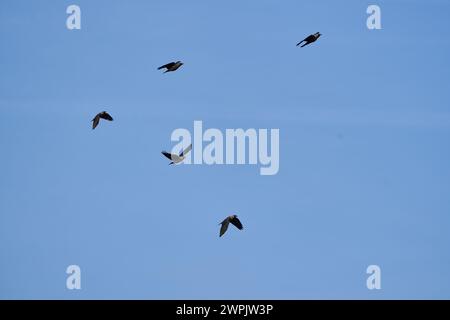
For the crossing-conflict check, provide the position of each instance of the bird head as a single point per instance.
(180, 63)
(318, 34)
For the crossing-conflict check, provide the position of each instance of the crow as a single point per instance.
(234, 220)
(310, 39)
(171, 66)
(102, 115)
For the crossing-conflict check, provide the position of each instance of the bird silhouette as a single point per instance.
(233, 219)
(309, 39)
(102, 115)
(171, 66)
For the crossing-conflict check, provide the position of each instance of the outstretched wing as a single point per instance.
(237, 223)
(224, 226)
(185, 151)
(105, 115)
(168, 66)
(95, 121)
(167, 155)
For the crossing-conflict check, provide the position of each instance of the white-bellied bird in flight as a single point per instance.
(171, 66)
(177, 158)
(309, 39)
(102, 115)
(233, 219)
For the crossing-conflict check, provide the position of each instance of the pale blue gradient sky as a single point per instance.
(364, 119)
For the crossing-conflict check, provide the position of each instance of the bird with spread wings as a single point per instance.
(102, 115)
(233, 219)
(177, 158)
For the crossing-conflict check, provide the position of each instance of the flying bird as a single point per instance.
(177, 158)
(102, 115)
(171, 66)
(310, 39)
(234, 220)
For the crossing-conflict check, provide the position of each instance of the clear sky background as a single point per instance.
(364, 119)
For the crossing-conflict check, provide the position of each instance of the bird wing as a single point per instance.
(237, 223)
(224, 226)
(169, 65)
(106, 116)
(168, 155)
(185, 151)
(95, 121)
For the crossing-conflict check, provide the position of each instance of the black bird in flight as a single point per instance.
(102, 115)
(310, 39)
(171, 66)
(175, 158)
(234, 220)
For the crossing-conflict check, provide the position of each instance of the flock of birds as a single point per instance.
(178, 158)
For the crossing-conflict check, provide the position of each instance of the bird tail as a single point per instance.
(304, 44)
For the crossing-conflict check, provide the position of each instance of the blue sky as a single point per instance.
(364, 174)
